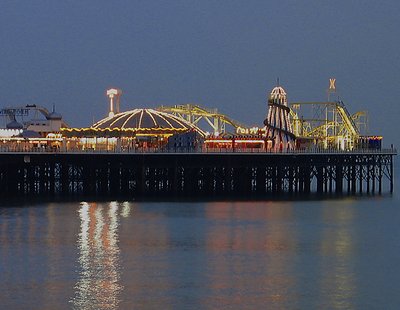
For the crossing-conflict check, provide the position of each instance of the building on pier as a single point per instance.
(32, 121)
(133, 129)
(237, 143)
(137, 128)
(31, 127)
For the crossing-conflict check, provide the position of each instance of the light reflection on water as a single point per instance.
(98, 285)
(277, 255)
(337, 248)
(241, 262)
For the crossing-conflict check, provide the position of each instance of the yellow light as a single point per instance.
(249, 141)
(218, 141)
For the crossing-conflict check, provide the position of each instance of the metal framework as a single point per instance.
(194, 113)
(329, 123)
(196, 174)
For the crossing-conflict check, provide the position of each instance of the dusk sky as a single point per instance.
(219, 54)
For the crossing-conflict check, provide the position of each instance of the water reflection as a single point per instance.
(338, 284)
(126, 209)
(250, 262)
(236, 255)
(98, 286)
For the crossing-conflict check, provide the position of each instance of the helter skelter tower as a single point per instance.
(278, 126)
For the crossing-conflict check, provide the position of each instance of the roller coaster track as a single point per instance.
(347, 126)
(342, 125)
(194, 113)
(347, 119)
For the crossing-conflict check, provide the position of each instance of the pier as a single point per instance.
(157, 174)
(303, 148)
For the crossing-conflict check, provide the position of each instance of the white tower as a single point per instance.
(113, 93)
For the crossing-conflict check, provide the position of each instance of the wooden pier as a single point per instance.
(203, 174)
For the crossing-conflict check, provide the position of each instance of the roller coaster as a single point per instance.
(328, 124)
(195, 114)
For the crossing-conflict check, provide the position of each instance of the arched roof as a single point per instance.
(136, 122)
(278, 92)
(143, 119)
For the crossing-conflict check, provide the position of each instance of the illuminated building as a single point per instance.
(31, 127)
(131, 129)
(33, 121)
(237, 143)
(137, 128)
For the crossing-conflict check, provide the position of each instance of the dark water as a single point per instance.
(332, 254)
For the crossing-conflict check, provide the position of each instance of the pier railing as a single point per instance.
(16, 149)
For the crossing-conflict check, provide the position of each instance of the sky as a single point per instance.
(219, 54)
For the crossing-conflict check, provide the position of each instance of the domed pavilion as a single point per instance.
(143, 122)
(131, 129)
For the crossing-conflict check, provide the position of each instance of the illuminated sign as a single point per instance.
(247, 131)
(332, 85)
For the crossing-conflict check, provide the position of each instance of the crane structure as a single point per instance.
(194, 114)
(329, 124)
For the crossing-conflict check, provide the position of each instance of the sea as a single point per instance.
(334, 253)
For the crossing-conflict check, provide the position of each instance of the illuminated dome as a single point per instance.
(142, 121)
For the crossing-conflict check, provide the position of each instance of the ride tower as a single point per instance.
(277, 124)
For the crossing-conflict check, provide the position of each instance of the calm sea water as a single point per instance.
(330, 254)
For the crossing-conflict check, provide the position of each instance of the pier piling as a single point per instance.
(195, 174)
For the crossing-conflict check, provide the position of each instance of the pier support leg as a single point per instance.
(353, 179)
(320, 180)
(391, 174)
(339, 179)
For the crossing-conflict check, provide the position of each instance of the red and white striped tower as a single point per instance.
(278, 126)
